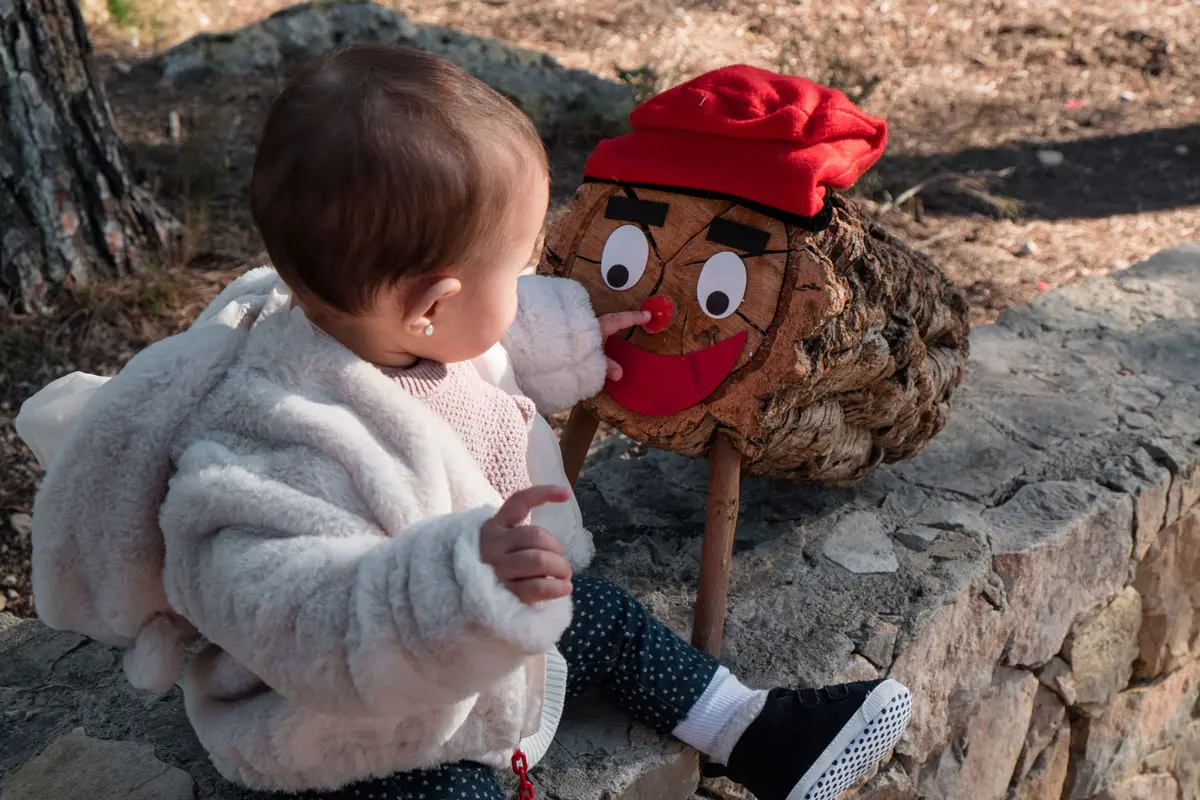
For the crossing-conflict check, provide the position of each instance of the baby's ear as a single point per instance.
(420, 300)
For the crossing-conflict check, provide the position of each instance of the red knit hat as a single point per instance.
(746, 133)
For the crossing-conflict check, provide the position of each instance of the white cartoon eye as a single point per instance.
(722, 285)
(624, 259)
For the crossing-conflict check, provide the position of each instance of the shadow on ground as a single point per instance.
(191, 116)
(1152, 170)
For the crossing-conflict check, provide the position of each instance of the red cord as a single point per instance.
(520, 768)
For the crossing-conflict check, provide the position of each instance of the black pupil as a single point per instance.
(716, 303)
(618, 276)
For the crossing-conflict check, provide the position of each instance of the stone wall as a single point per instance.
(1032, 577)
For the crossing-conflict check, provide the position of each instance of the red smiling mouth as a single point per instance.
(658, 386)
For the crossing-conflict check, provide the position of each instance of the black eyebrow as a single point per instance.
(633, 209)
(738, 236)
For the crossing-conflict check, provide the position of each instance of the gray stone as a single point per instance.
(938, 778)
(1137, 420)
(971, 457)
(1047, 592)
(599, 754)
(877, 642)
(1046, 777)
(1032, 390)
(1056, 676)
(918, 537)
(553, 97)
(108, 770)
(954, 546)
(892, 783)
(1048, 418)
(1166, 578)
(1186, 764)
(1161, 760)
(857, 668)
(1137, 723)
(1044, 722)
(1171, 350)
(1149, 484)
(1132, 393)
(235, 54)
(992, 751)
(1163, 287)
(1047, 158)
(1102, 649)
(356, 21)
(860, 544)
(903, 502)
(720, 788)
(1142, 787)
(960, 516)
(1184, 463)
(963, 639)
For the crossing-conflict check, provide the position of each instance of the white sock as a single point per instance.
(720, 717)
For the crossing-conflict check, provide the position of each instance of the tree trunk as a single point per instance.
(70, 212)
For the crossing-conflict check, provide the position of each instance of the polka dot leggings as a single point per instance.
(613, 643)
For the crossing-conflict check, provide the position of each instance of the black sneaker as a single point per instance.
(813, 744)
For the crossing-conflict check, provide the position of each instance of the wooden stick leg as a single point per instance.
(577, 439)
(724, 479)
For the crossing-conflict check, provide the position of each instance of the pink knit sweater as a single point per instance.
(493, 424)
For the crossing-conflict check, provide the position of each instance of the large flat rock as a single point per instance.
(105, 770)
(1073, 452)
(557, 99)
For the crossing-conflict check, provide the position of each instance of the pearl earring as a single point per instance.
(429, 329)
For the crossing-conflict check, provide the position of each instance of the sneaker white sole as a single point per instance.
(860, 744)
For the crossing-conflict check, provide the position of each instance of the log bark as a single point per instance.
(70, 209)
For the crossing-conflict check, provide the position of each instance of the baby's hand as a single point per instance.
(614, 323)
(527, 559)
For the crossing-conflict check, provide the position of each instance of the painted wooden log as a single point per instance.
(820, 354)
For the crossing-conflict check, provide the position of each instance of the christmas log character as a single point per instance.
(791, 336)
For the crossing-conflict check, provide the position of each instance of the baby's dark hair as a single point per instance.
(380, 162)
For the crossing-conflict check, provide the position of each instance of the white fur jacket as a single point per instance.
(254, 482)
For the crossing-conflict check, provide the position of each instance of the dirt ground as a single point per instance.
(1033, 143)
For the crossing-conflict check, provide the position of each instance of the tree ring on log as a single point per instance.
(821, 353)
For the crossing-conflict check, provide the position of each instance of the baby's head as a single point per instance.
(400, 199)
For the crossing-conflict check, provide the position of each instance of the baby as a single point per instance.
(339, 483)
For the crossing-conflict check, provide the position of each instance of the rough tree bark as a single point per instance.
(70, 211)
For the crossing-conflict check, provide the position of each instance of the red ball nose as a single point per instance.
(662, 311)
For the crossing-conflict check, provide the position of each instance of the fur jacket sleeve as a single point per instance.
(555, 343)
(357, 624)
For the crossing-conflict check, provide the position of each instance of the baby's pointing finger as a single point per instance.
(531, 537)
(619, 321)
(517, 508)
(531, 564)
(539, 590)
